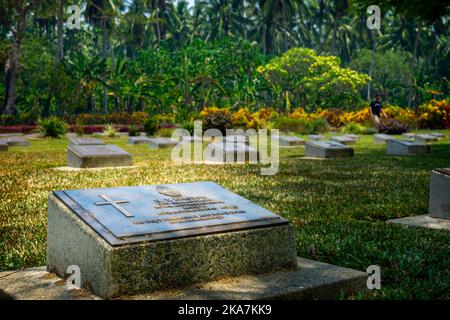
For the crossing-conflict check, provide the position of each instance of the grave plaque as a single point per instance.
(141, 239)
(406, 148)
(439, 204)
(327, 149)
(159, 143)
(381, 138)
(344, 140)
(289, 141)
(409, 135)
(316, 137)
(351, 136)
(3, 146)
(425, 138)
(97, 156)
(229, 152)
(437, 134)
(16, 141)
(82, 141)
(138, 140)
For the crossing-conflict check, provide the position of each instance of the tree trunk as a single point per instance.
(105, 53)
(372, 63)
(12, 63)
(413, 64)
(60, 25)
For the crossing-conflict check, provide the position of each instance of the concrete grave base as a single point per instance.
(93, 169)
(423, 221)
(16, 141)
(310, 280)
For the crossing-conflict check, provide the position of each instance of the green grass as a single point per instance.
(339, 207)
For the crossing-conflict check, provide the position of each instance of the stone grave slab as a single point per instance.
(344, 140)
(316, 137)
(327, 149)
(290, 141)
(3, 146)
(138, 140)
(425, 138)
(351, 136)
(229, 152)
(406, 148)
(97, 156)
(439, 204)
(16, 141)
(437, 134)
(438, 216)
(381, 138)
(83, 141)
(141, 239)
(409, 135)
(161, 143)
(310, 280)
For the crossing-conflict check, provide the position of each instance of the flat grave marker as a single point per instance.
(396, 147)
(327, 149)
(161, 143)
(97, 156)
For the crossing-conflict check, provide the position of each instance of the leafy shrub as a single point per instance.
(150, 126)
(287, 124)
(405, 115)
(434, 114)
(320, 125)
(243, 119)
(189, 126)
(353, 128)
(392, 126)
(9, 120)
(78, 129)
(118, 118)
(52, 127)
(133, 131)
(110, 131)
(215, 118)
(164, 132)
(90, 119)
(333, 116)
(138, 118)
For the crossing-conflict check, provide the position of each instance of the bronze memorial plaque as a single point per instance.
(150, 213)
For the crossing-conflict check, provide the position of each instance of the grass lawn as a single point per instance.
(339, 207)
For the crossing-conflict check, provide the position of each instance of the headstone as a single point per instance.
(82, 141)
(406, 148)
(141, 239)
(159, 143)
(409, 135)
(344, 140)
(437, 134)
(316, 137)
(97, 156)
(229, 152)
(351, 136)
(381, 138)
(439, 204)
(289, 141)
(438, 216)
(3, 146)
(425, 138)
(138, 140)
(327, 149)
(16, 141)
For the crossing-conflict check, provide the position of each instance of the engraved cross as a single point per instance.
(115, 204)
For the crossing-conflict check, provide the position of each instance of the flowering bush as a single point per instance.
(216, 118)
(333, 116)
(405, 115)
(244, 119)
(392, 126)
(361, 116)
(434, 114)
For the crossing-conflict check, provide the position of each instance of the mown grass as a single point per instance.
(339, 206)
